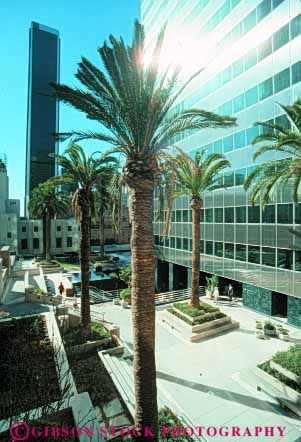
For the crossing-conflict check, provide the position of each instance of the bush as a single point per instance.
(74, 336)
(4, 315)
(269, 326)
(265, 366)
(193, 312)
(200, 321)
(125, 294)
(168, 419)
(290, 359)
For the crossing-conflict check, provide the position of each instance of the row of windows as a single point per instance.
(220, 14)
(242, 138)
(271, 214)
(272, 85)
(276, 41)
(268, 256)
(36, 243)
(36, 229)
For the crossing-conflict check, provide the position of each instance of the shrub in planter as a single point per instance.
(269, 328)
(4, 315)
(125, 295)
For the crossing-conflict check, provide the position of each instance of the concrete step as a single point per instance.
(199, 336)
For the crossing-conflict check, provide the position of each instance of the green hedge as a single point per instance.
(265, 366)
(218, 315)
(74, 336)
(290, 359)
(193, 312)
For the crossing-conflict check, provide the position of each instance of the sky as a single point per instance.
(83, 27)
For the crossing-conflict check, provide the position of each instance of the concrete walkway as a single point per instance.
(212, 381)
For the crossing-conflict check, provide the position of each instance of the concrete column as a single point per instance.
(189, 278)
(170, 277)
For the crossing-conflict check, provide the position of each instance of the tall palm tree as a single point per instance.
(132, 102)
(192, 177)
(47, 202)
(84, 172)
(274, 174)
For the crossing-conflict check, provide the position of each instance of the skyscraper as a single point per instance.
(250, 52)
(42, 108)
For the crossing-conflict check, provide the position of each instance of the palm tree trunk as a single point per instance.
(102, 235)
(85, 261)
(47, 237)
(143, 307)
(195, 206)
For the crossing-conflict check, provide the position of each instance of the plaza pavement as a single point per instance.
(213, 381)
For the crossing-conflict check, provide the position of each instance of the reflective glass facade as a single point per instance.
(42, 110)
(254, 63)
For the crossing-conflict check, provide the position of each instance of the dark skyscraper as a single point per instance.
(42, 109)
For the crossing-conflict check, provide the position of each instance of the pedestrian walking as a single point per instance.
(230, 292)
(216, 294)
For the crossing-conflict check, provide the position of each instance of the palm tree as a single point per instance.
(271, 175)
(192, 177)
(84, 172)
(47, 202)
(132, 102)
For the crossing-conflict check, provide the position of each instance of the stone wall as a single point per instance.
(294, 311)
(257, 298)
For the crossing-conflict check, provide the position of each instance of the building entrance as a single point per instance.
(279, 305)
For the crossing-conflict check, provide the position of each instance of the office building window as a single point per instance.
(298, 214)
(250, 59)
(190, 245)
(9, 235)
(178, 216)
(185, 243)
(296, 72)
(238, 68)
(254, 254)
(202, 246)
(265, 49)
(229, 179)
(219, 249)
(229, 250)
(282, 80)
(208, 215)
(228, 143)
(24, 244)
(69, 228)
(185, 216)
(240, 176)
(69, 242)
(252, 96)
(209, 248)
(241, 252)
(58, 243)
(268, 256)
(285, 259)
(218, 215)
(173, 216)
(282, 120)
(241, 215)
(36, 243)
(298, 261)
(58, 228)
(252, 132)
(178, 243)
(250, 21)
(156, 239)
(239, 103)
(218, 147)
(296, 26)
(229, 214)
(281, 37)
(285, 213)
(254, 214)
(202, 215)
(35, 228)
(23, 229)
(239, 139)
(166, 242)
(263, 9)
(268, 214)
(266, 89)
(172, 242)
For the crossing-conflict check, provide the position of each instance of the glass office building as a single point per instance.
(251, 54)
(42, 108)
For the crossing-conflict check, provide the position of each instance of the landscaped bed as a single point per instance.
(196, 316)
(74, 336)
(27, 366)
(289, 360)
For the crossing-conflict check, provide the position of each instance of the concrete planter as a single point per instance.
(271, 333)
(195, 318)
(284, 394)
(87, 346)
(209, 324)
(287, 373)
